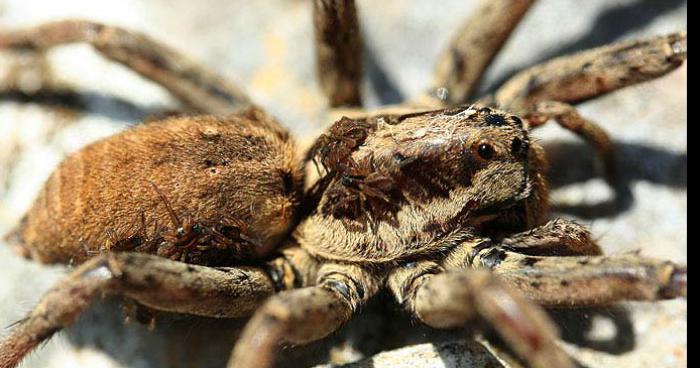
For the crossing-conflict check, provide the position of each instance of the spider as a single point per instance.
(438, 201)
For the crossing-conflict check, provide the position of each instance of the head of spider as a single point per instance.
(430, 172)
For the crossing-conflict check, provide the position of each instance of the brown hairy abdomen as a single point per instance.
(241, 171)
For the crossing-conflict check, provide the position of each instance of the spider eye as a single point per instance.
(496, 120)
(485, 151)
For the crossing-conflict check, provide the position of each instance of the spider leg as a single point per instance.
(455, 299)
(338, 51)
(194, 85)
(591, 73)
(569, 118)
(587, 280)
(303, 315)
(557, 237)
(151, 281)
(474, 46)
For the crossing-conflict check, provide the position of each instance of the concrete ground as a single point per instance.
(266, 47)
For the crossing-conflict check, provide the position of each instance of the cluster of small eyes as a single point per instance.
(485, 150)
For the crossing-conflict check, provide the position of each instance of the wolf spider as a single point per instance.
(439, 202)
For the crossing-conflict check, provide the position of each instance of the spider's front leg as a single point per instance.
(303, 315)
(455, 299)
(587, 281)
(155, 282)
(194, 85)
(474, 46)
(545, 92)
(588, 74)
(569, 118)
(581, 277)
(557, 237)
(338, 51)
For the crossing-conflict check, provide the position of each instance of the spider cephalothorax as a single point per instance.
(397, 183)
(440, 203)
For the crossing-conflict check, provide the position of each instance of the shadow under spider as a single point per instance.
(177, 341)
(577, 326)
(575, 162)
(180, 341)
(577, 330)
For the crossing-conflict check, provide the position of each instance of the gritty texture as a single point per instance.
(441, 355)
(267, 49)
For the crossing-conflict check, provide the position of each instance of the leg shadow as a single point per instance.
(385, 89)
(575, 162)
(112, 108)
(585, 332)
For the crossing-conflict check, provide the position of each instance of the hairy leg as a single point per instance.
(567, 117)
(472, 49)
(591, 73)
(557, 237)
(338, 51)
(586, 281)
(153, 281)
(454, 299)
(303, 315)
(194, 85)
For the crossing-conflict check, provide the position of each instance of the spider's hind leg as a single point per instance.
(195, 86)
(154, 282)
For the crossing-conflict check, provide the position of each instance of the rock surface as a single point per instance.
(266, 47)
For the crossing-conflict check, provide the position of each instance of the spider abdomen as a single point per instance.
(196, 189)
